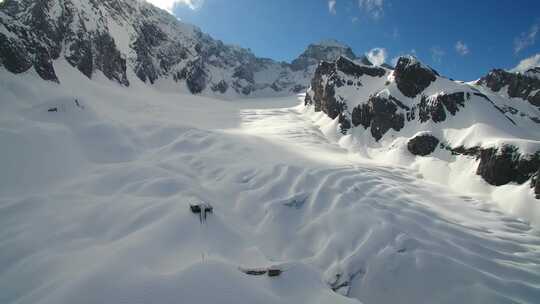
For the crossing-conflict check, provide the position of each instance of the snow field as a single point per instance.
(94, 208)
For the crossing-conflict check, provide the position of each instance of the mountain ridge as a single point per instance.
(494, 121)
(115, 36)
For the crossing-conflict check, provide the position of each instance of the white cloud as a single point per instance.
(462, 48)
(527, 63)
(526, 39)
(377, 56)
(437, 54)
(170, 4)
(375, 8)
(332, 6)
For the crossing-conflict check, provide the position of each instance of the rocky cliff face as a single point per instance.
(328, 50)
(117, 37)
(413, 105)
(516, 85)
(412, 77)
(35, 33)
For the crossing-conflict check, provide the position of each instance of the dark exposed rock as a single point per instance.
(323, 97)
(519, 85)
(221, 87)
(315, 53)
(461, 150)
(13, 55)
(535, 99)
(412, 77)
(40, 39)
(505, 165)
(350, 68)
(434, 108)
(364, 60)
(308, 100)
(98, 52)
(535, 183)
(150, 36)
(274, 271)
(344, 123)
(38, 32)
(109, 60)
(423, 144)
(254, 271)
(43, 65)
(383, 112)
(500, 166)
(81, 55)
(452, 102)
(380, 114)
(244, 72)
(327, 77)
(196, 78)
(430, 108)
(298, 88)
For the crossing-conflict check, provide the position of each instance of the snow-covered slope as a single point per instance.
(128, 39)
(450, 130)
(100, 164)
(94, 207)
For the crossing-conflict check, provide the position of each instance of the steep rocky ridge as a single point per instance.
(124, 37)
(413, 106)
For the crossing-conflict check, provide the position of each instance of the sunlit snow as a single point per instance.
(95, 207)
(169, 4)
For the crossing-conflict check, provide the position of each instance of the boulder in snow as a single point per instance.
(423, 144)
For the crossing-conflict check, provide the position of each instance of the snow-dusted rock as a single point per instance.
(515, 85)
(326, 50)
(412, 77)
(384, 109)
(124, 37)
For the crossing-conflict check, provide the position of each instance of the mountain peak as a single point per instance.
(330, 43)
(326, 50)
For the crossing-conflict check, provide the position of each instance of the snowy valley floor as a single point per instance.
(94, 208)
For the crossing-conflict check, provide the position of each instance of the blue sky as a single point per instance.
(462, 39)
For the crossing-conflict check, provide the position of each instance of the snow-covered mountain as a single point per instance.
(523, 85)
(492, 125)
(97, 179)
(382, 185)
(124, 39)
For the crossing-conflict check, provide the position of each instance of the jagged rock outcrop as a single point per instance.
(519, 85)
(36, 32)
(328, 50)
(535, 184)
(379, 114)
(405, 102)
(423, 144)
(412, 77)
(332, 75)
(500, 166)
(118, 36)
(435, 108)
